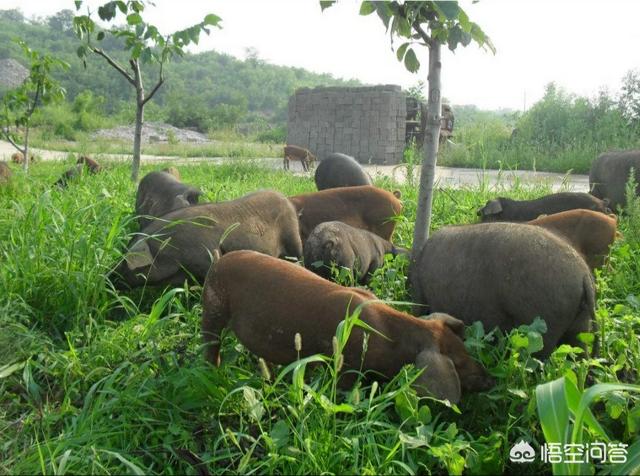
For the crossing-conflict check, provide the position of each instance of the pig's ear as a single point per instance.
(493, 207)
(456, 325)
(439, 377)
(139, 255)
(192, 196)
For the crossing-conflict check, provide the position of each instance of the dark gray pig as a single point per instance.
(505, 275)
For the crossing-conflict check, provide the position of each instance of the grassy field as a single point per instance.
(234, 147)
(97, 381)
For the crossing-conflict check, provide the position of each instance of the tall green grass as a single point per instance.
(489, 145)
(93, 380)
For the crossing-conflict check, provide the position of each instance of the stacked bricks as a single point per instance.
(367, 123)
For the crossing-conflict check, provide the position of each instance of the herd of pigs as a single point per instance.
(527, 259)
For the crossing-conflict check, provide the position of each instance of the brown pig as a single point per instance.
(365, 206)
(83, 163)
(243, 291)
(590, 233)
(93, 166)
(18, 158)
(294, 152)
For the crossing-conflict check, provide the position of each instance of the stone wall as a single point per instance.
(367, 123)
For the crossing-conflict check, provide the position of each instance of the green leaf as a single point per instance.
(573, 395)
(81, 51)
(538, 325)
(152, 32)
(137, 6)
(411, 61)
(367, 8)
(7, 370)
(632, 466)
(535, 342)
(146, 56)
(280, 434)
(518, 341)
(406, 404)
(212, 19)
(412, 442)
(463, 21)
(402, 50)
(107, 11)
(329, 406)
(100, 36)
(134, 19)
(588, 397)
(78, 4)
(324, 4)
(122, 6)
(135, 469)
(384, 13)
(554, 415)
(449, 9)
(424, 415)
(136, 51)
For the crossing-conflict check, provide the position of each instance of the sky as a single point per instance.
(582, 45)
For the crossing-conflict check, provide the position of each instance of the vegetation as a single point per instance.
(430, 24)
(144, 45)
(249, 96)
(93, 380)
(248, 101)
(19, 104)
(559, 133)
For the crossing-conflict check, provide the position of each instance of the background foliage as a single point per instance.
(205, 91)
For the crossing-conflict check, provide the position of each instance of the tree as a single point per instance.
(14, 15)
(428, 24)
(18, 105)
(629, 102)
(61, 21)
(145, 45)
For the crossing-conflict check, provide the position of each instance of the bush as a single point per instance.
(277, 135)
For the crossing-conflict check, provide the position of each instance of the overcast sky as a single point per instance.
(583, 45)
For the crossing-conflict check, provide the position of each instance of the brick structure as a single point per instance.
(367, 123)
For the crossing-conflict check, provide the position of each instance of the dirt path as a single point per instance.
(445, 176)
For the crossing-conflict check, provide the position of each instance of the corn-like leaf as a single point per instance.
(554, 416)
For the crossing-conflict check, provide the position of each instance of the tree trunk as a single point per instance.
(137, 139)
(137, 136)
(430, 155)
(25, 151)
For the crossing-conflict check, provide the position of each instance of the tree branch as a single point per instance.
(113, 63)
(157, 86)
(7, 136)
(423, 34)
(35, 100)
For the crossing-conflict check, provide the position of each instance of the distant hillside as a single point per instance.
(202, 90)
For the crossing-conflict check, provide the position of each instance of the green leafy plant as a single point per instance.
(18, 105)
(560, 401)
